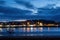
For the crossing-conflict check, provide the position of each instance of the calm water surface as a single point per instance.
(37, 31)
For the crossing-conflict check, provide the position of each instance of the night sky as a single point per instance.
(29, 9)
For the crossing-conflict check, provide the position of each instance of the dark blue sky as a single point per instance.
(29, 9)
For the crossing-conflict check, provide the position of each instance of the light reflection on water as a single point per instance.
(36, 31)
(30, 29)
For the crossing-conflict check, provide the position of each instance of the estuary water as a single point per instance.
(36, 31)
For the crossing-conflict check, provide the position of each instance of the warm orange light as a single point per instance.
(1, 25)
(38, 22)
(34, 24)
(41, 24)
(28, 23)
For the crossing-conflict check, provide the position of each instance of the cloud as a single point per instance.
(13, 11)
(50, 14)
(2, 2)
(10, 13)
(56, 18)
(25, 3)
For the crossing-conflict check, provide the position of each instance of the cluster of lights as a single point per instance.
(28, 24)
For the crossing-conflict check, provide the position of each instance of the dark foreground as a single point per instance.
(29, 38)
